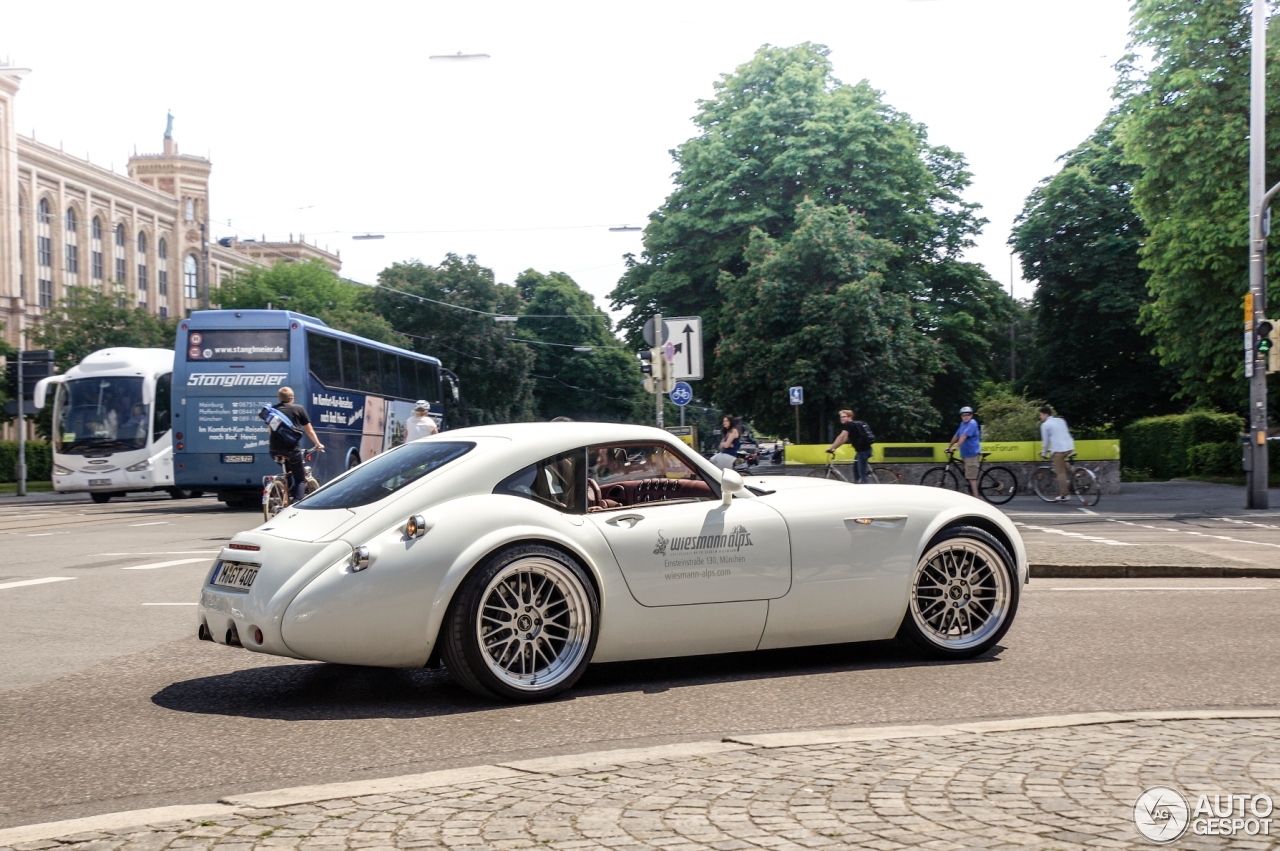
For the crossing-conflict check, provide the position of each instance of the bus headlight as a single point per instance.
(59, 470)
(139, 467)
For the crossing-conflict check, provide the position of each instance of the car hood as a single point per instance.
(784, 483)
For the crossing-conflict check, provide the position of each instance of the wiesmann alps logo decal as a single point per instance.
(222, 379)
(735, 541)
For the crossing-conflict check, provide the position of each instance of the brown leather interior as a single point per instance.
(655, 490)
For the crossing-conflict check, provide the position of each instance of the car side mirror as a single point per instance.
(730, 483)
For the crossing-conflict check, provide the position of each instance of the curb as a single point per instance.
(1150, 571)
(558, 765)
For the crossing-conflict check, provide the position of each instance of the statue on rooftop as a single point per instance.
(168, 129)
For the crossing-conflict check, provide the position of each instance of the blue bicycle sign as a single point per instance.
(682, 393)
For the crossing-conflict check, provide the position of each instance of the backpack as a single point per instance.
(281, 426)
(867, 437)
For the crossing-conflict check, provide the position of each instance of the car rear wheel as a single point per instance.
(523, 625)
(964, 593)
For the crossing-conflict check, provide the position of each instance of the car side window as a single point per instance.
(626, 474)
(558, 481)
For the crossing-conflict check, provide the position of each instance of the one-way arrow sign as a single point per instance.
(685, 332)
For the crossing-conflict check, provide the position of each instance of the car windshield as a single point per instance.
(382, 476)
(101, 414)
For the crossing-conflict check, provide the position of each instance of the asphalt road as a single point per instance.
(107, 703)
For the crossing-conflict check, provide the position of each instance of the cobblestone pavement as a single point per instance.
(1060, 788)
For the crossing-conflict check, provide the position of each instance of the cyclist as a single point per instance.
(858, 435)
(1056, 440)
(293, 454)
(969, 439)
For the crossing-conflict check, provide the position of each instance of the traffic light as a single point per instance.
(657, 377)
(1266, 346)
(36, 364)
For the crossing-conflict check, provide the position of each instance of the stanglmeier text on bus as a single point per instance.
(358, 394)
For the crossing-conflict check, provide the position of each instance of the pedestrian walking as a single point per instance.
(858, 435)
(1055, 440)
(969, 438)
(420, 424)
(730, 442)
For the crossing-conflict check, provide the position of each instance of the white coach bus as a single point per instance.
(112, 424)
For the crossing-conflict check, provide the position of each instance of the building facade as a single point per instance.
(65, 222)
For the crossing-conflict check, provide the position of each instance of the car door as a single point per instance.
(675, 541)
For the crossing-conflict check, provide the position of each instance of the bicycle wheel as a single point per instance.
(884, 476)
(827, 472)
(940, 477)
(1085, 485)
(273, 500)
(998, 485)
(1045, 483)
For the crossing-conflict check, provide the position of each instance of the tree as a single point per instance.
(558, 319)
(1079, 238)
(311, 288)
(781, 129)
(88, 319)
(447, 311)
(812, 309)
(1185, 121)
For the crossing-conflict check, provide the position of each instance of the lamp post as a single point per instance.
(1255, 370)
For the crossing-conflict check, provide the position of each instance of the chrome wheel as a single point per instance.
(534, 624)
(961, 594)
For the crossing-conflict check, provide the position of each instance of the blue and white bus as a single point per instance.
(358, 394)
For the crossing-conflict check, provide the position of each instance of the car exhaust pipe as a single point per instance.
(233, 638)
(203, 633)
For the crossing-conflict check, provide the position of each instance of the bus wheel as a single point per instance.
(181, 493)
(100, 498)
(353, 460)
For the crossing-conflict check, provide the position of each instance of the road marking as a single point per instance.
(156, 523)
(39, 534)
(1172, 588)
(1247, 523)
(45, 581)
(1065, 533)
(1193, 532)
(158, 564)
(169, 604)
(170, 553)
(1087, 511)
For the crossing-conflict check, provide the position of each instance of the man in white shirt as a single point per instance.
(1056, 440)
(420, 424)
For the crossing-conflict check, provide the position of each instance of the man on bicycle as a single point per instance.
(858, 435)
(1056, 440)
(969, 439)
(293, 454)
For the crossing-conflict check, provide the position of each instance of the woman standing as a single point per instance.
(730, 442)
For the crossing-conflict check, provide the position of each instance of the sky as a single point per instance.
(330, 119)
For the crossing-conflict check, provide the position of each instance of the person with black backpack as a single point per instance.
(286, 439)
(858, 435)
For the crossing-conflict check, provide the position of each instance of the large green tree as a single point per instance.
(1185, 121)
(448, 311)
(1079, 238)
(311, 288)
(582, 370)
(88, 319)
(781, 129)
(812, 309)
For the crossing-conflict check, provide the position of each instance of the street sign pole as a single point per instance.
(22, 432)
(1255, 371)
(659, 370)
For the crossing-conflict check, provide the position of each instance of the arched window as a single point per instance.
(122, 269)
(142, 267)
(71, 236)
(191, 277)
(44, 253)
(95, 250)
(162, 269)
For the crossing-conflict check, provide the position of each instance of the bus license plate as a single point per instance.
(237, 459)
(97, 482)
(232, 574)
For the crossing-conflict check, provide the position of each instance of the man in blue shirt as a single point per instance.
(969, 440)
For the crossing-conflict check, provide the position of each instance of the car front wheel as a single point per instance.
(964, 593)
(523, 626)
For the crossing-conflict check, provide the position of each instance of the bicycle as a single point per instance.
(875, 475)
(1082, 481)
(275, 489)
(997, 485)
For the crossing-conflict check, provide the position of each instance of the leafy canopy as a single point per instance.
(88, 319)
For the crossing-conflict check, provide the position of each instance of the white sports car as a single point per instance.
(518, 554)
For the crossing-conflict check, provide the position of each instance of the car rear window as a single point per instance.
(382, 476)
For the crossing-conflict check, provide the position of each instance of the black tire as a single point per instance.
(998, 485)
(940, 477)
(968, 568)
(100, 498)
(550, 589)
(181, 493)
(1085, 484)
(1045, 484)
(825, 473)
(353, 461)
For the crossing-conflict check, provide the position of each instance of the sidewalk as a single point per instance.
(1067, 782)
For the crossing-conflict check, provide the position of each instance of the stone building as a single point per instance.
(66, 222)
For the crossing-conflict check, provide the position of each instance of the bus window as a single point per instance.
(390, 374)
(370, 379)
(350, 365)
(164, 396)
(428, 382)
(322, 359)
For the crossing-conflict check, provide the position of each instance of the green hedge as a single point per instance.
(1162, 445)
(1214, 459)
(39, 461)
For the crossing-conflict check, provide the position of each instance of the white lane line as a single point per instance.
(169, 604)
(157, 564)
(170, 553)
(1067, 534)
(39, 534)
(1193, 532)
(1173, 588)
(45, 581)
(156, 523)
(1247, 523)
(1087, 511)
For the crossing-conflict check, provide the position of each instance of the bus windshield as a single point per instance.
(101, 414)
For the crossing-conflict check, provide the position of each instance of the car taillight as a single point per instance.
(181, 446)
(178, 435)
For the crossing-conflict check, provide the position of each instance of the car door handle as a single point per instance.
(881, 520)
(628, 520)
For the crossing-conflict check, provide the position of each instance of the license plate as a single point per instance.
(93, 482)
(237, 459)
(231, 574)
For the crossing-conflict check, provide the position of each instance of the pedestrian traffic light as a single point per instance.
(1265, 345)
